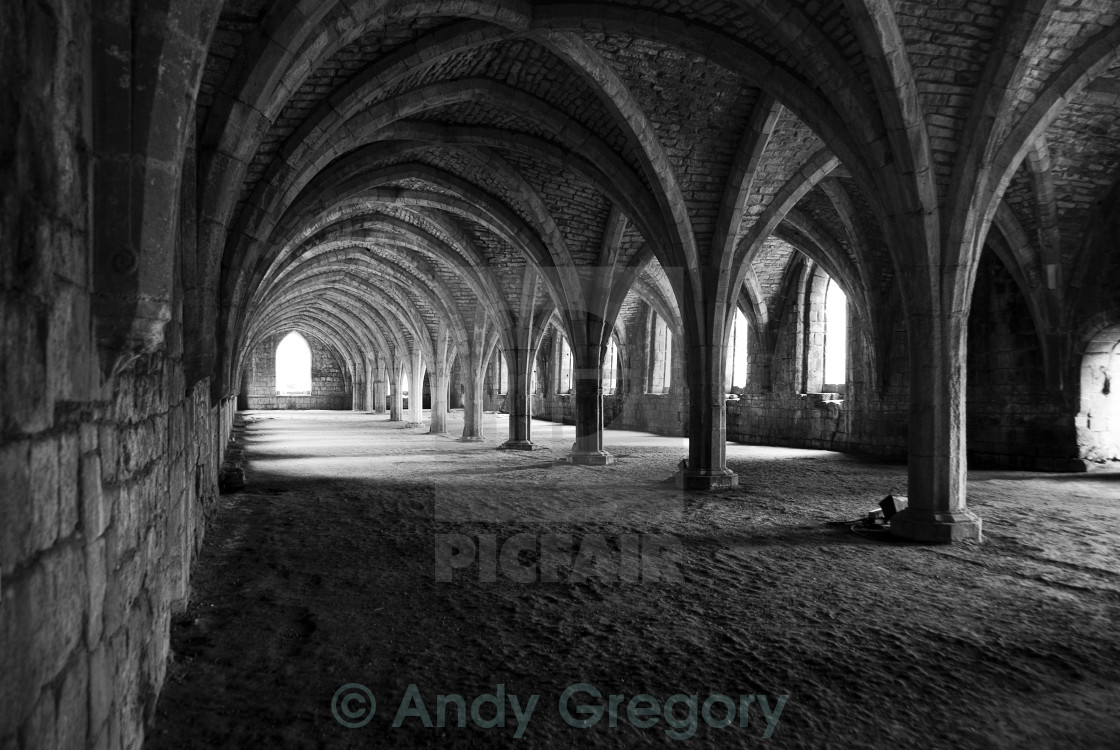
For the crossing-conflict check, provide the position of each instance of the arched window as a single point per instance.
(736, 374)
(503, 373)
(1098, 421)
(660, 355)
(610, 367)
(564, 378)
(835, 338)
(293, 366)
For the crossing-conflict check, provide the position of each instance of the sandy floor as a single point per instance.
(324, 572)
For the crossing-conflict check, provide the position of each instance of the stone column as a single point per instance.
(396, 407)
(455, 398)
(357, 393)
(588, 388)
(440, 379)
(367, 392)
(706, 466)
(472, 408)
(379, 394)
(416, 393)
(519, 401)
(936, 439)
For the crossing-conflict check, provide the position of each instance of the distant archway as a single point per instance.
(835, 338)
(1098, 420)
(293, 366)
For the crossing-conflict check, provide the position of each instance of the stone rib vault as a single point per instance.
(547, 209)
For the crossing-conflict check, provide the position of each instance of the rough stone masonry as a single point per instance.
(476, 201)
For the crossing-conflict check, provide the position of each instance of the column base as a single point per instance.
(439, 433)
(590, 458)
(518, 445)
(472, 439)
(936, 526)
(701, 479)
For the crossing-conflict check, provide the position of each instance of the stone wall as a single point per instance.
(1015, 418)
(330, 383)
(105, 510)
(871, 417)
(631, 406)
(108, 457)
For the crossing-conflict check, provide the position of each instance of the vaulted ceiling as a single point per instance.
(374, 171)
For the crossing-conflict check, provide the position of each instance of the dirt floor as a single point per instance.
(324, 572)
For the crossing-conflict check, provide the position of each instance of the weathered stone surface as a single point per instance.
(102, 673)
(15, 502)
(331, 387)
(72, 725)
(628, 182)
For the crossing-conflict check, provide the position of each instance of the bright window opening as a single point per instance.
(610, 367)
(836, 336)
(293, 366)
(736, 374)
(503, 374)
(1098, 422)
(661, 356)
(564, 382)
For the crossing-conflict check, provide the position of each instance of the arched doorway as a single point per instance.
(293, 366)
(1098, 419)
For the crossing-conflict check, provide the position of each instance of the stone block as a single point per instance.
(73, 702)
(23, 330)
(39, 730)
(123, 534)
(15, 502)
(58, 603)
(68, 478)
(114, 731)
(122, 588)
(95, 510)
(936, 527)
(109, 453)
(15, 631)
(589, 458)
(89, 437)
(102, 675)
(892, 504)
(97, 578)
(40, 625)
(100, 740)
(44, 494)
(687, 479)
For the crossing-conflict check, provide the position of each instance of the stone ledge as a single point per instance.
(591, 458)
(231, 474)
(700, 479)
(937, 527)
(518, 445)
